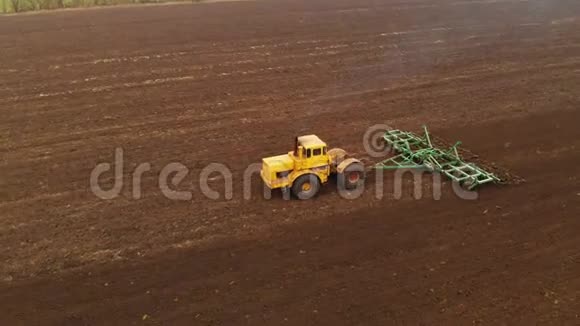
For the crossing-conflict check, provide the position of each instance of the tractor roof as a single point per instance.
(310, 141)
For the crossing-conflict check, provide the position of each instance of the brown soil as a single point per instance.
(233, 82)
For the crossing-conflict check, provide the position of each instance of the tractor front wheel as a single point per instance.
(306, 186)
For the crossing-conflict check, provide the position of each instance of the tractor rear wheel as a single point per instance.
(306, 186)
(352, 176)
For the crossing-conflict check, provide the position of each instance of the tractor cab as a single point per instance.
(309, 152)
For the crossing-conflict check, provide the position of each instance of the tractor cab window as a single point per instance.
(308, 153)
(317, 152)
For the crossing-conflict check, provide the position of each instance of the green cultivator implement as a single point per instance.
(414, 152)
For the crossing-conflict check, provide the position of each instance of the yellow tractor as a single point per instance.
(308, 166)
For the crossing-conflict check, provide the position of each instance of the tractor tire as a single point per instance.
(306, 186)
(352, 176)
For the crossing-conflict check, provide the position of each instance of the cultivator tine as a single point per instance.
(427, 136)
(414, 152)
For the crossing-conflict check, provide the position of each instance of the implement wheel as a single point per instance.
(306, 186)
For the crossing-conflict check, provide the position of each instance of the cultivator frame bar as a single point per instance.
(415, 152)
